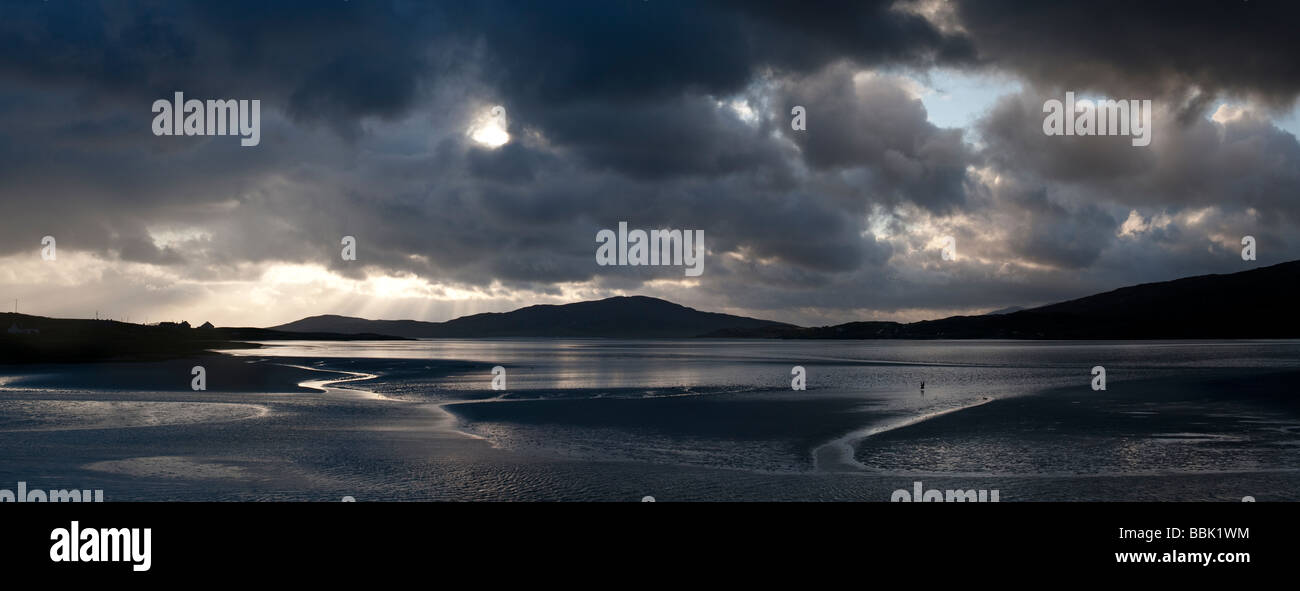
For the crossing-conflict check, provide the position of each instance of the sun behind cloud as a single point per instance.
(489, 128)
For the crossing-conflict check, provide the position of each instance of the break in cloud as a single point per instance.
(662, 114)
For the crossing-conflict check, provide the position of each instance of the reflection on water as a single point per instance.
(609, 419)
(729, 402)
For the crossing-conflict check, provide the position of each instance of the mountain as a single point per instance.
(353, 325)
(1259, 303)
(37, 339)
(1250, 304)
(626, 317)
(1007, 310)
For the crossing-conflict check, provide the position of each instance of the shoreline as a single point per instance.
(368, 428)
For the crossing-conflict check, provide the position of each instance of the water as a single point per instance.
(610, 419)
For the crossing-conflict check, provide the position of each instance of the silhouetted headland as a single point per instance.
(1249, 304)
(36, 339)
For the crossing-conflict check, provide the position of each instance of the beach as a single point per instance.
(611, 420)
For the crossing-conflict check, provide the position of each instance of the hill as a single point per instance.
(37, 339)
(1258, 303)
(621, 317)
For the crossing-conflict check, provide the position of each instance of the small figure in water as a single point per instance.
(922, 385)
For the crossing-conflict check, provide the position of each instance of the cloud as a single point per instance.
(1236, 159)
(660, 114)
(1142, 50)
(877, 124)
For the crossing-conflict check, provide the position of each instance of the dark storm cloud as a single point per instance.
(1013, 132)
(808, 230)
(803, 36)
(1200, 186)
(1242, 161)
(616, 87)
(512, 163)
(876, 124)
(1052, 233)
(630, 85)
(636, 51)
(335, 60)
(1153, 48)
(687, 135)
(621, 110)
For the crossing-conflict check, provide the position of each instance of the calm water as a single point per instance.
(601, 419)
(730, 403)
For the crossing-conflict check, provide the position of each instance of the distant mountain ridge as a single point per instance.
(616, 317)
(1249, 304)
(1259, 303)
(37, 339)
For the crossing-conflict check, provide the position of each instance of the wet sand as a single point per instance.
(1211, 435)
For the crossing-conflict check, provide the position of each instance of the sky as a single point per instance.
(474, 151)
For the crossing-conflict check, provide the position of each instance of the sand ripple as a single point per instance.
(63, 415)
